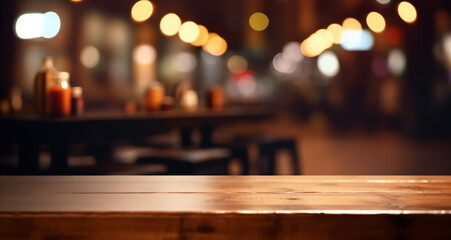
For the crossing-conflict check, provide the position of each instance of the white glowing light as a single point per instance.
(185, 62)
(36, 25)
(357, 40)
(328, 64)
(447, 48)
(283, 65)
(292, 51)
(396, 62)
(64, 85)
(30, 25)
(383, 1)
(247, 85)
(90, 57)
(144, 54)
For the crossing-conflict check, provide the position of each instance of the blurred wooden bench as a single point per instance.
(225, 207)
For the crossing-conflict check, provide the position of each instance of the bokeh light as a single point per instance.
(215, 45)
(383, 1)
(351, 24)
(397, 62)
(52, 25)
(407, 12)
(36, 25)
(335, 29)
(237, 64)
(292, 51)
(189, 31)
(247, 85)
(357, 40)
(144, 54)
(328, 64)
(316, 43)
(170, 24)
(447, 48)
(258, 21)
(202, 38)
(89, 57)
(141, 10)
(375, 22)
(185, 62)
(283, 65)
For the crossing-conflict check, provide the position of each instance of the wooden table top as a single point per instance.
(227, 194)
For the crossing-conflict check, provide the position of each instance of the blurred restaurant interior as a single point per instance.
(340, 87)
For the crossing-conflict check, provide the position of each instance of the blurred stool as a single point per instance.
(268, 147)
(206, 161)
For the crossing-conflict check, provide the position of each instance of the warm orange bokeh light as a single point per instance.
(215, 45)
(202, 38)
(142, 10)
(375, 22)
(407, 12)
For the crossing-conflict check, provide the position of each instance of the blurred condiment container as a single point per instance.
(60, 96)
(154, 96)
(77, 102)
(215, 97)
(189, 100)
(44, 80)
(168, 103)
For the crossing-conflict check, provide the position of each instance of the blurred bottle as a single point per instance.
(77, 102)
(44, 80)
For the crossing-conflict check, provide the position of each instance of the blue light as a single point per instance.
(357, 40)
(52, 25)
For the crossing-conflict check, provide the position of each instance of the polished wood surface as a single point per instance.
(226, 207)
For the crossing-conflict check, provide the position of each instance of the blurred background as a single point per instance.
(364, 85)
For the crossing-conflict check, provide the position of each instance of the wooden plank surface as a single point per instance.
(232, 194)
(225, 207)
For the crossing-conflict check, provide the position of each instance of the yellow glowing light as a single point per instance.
(375, 22)
(335, 29)
(76, 0)
(237, 64)
(407, 12)
(142, 10)
(317, 43)
(189, 31)
(202, 38)
(170, 24)
(324, 37)
(215, 45)
(258, 21)
(351, 24)
(310, 48)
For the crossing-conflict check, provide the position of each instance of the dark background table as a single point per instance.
(30, 132)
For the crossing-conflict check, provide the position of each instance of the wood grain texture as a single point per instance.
(225, 207)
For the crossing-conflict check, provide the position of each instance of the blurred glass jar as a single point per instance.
(154, 96)
(215, 97)
(60, 96)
